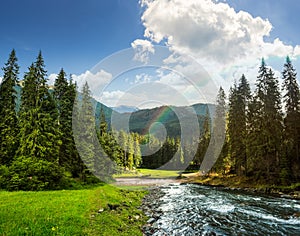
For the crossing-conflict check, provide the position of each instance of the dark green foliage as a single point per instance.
(39, 134)
(96, 160)
(38, 147)
(8, 117)
(204, 140)
(290, 165)
(29, 173)
(265, 126)
(64, 95)
(84, 132)
(237, 125)
(216, 155)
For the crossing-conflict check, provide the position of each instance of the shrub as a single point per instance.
(28, 173)
(4, 176)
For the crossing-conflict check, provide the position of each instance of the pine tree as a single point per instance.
(123, 141)
(130, 148)
(237, 125)
(291, 100)
(204, 139)
(243, 100)
(268, 125)
(103, 123)
(233, 129)
(64, 95)
(8, 116)
(41, 78)
(137, 151)
(29, 92)
(60, 90)
(38, 130)
(85, 132)
(214, 150)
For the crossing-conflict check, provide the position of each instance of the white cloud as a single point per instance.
(1, 80)
(225, 42)
(118, 97)
(110, 98)
(142, 50)
(297, 51)
(96, 81)
(142, 78)
(204, 28)
(51, 79)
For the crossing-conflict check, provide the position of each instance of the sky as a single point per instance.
(146, 53)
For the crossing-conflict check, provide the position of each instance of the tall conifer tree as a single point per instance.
(291, 100)
(8, 116)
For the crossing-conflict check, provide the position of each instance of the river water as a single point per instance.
(187, 209)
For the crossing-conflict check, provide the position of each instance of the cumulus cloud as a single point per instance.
(1, 80)
(96, 81)
(142, 78)
(128, 98)
(204, 28)
(297, 51)
(142, 50)
(225, 42)
(51, 79)
(111, 98)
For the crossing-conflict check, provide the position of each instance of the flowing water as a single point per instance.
(198, 210)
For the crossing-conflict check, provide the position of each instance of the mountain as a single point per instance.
(125, 109)
(173, 118)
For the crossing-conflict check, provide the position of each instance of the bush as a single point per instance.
(4, 176)
(27, 173)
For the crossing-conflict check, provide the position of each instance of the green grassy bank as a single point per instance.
(150, 173)
(103, 210)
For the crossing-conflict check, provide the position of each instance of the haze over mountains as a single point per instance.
(173, 118)
(133, 119)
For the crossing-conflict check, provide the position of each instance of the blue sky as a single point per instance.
(77, 35)
(71, 34)
(282, 14)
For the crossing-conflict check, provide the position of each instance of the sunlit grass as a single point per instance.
(150, 173)
(71, 212)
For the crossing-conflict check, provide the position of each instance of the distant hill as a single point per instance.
(141, 120)
(107, 111)
(169, 116)
(125, 109)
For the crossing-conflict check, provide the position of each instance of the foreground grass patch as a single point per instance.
(150, 173)
(71, 212)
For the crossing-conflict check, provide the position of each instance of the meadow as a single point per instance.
(102, 210)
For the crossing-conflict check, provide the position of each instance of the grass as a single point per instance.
(150, 173)
(72, 212)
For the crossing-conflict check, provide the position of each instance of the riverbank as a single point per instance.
(243, 183)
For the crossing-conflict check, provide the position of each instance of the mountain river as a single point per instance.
(189, 209)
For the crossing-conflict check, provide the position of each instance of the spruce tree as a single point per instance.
(38, 130)
(204, 139)
(8, 116)
(137, 151)
(130, 155)
(103, 123)
(232, 130)
(237, 125)
(291, 99)
(214, 153)
(64, 95)
(243, 99)
(268, 122)
(85, 132)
